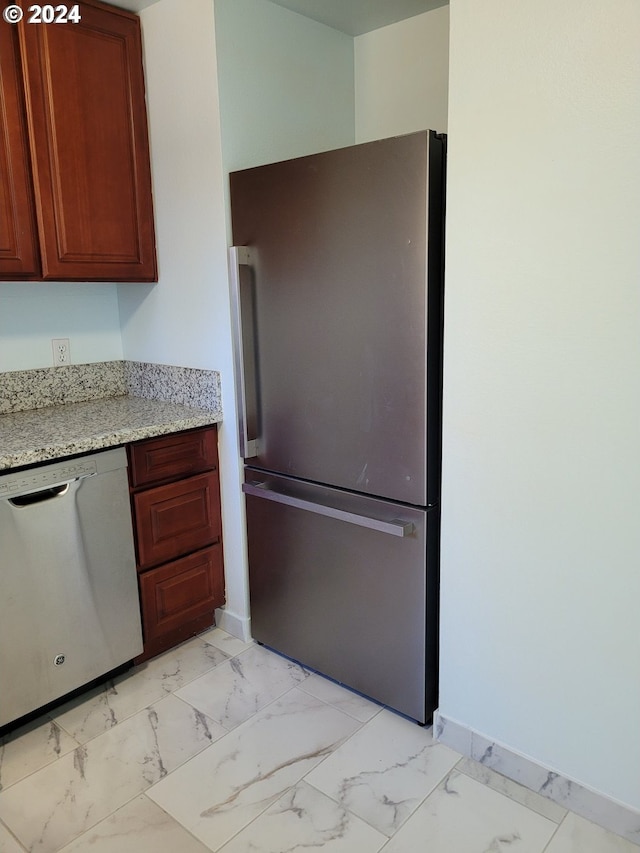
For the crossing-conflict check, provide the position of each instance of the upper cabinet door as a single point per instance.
(18, 238)
(89, 146)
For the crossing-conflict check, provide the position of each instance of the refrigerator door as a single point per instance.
(334, 289)
(345, 584)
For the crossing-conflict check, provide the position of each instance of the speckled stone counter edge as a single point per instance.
(22, 390)
(54, 432)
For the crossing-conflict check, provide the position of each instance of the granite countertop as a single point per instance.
(39, 435)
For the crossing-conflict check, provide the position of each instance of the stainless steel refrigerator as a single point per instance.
(337, 280)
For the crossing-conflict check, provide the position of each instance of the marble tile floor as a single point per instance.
(224, 746)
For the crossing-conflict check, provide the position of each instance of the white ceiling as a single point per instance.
(353, 17)
(134, 5)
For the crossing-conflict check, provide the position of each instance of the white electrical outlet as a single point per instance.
(61, 352)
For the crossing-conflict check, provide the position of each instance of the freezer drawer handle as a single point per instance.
(242, 310)
(397, 527)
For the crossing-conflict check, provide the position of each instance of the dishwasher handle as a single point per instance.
(38, 485)
(40, 496)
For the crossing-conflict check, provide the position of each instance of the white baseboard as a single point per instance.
(233, 624)
(591, 805)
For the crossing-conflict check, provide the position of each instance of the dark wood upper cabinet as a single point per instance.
(89, 153)
(19, 257)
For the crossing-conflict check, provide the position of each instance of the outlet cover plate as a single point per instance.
(61, 352)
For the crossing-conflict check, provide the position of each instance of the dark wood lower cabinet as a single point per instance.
(175, 498)
(178, 599)
(177, 518)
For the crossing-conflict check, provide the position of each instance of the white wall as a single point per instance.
(286, 84)
(32, 313)
(401, 77)
(183, 318)
(541, 540)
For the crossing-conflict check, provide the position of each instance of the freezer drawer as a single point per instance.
(342, 583)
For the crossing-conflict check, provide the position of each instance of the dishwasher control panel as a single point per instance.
(43, 478)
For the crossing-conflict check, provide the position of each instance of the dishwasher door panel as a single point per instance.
(70, 610)
(339, 582)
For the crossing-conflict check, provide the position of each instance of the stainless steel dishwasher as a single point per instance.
(69, 609)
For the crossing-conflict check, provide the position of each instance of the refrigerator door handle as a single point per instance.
(243, 329)
(396, 527)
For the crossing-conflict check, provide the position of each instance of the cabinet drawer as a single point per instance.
(181, 592)
(172, 456)
(177, 518)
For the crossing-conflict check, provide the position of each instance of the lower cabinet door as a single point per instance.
(178, 598)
